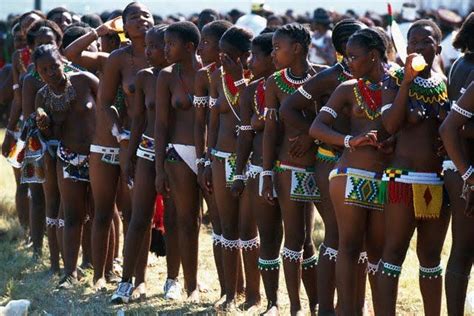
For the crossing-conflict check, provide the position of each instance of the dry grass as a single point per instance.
(21, 277)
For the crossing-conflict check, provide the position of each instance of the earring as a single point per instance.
(373, 59)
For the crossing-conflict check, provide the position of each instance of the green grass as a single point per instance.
(23, 278)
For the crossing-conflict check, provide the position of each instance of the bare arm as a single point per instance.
(138, 116)
(245, 138)
(78, 54)
(108, 87)
(270, 132)
(214, 117)
(200, 113)
(451, 128)
(28, 94)
(162, 111)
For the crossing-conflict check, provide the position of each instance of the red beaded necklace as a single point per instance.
(259, 99)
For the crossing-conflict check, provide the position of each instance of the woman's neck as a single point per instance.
(377, 73)
(138, 46)
(299, 68)
(190, 63)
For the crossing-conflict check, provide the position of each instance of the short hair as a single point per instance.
(297, 32)
(342, 31)
(464, 40)
(36, 12)
(427, 23)
(46, 49)
(38, 25)
(217, 28)
(58, 10)
(128, 9)
(93, 20)
(158, 30)
(238, 37)
(113, 15)
(264, 42)
(73, 32)
(186, 31)
(371, 38)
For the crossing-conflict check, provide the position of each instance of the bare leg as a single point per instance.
(37, 217)
(309, 271)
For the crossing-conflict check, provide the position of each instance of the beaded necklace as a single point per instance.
(429, 91)
(183, 84)
(67, 68)
(288, 83)
(369, 98)
(59, 102)
(259, 99)
(209, 70)
(345, 74)
(231, 92)
(25, 57)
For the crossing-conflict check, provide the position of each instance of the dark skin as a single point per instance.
(284, 143)
(417, 149)
(320, 87)
(174, 115)
(221, 136)
(462, 153)
(208, 50)
(120, 69)
(62, 19)
(354, 222)
(268, 217)
(74, 129)
(142, 170)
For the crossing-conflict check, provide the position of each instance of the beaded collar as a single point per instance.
(369, 98)
(58, 102)
(345, 73)
(287, 83)
(209, 70)
(259, 99)
(430, 91)
(231, 92)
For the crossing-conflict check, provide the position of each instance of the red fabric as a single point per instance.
(158, 217)
(400, 193)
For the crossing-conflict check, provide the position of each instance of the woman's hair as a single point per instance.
(34, 28)
(73, 32)
(35, 12)
(264, 42)
(217, 28)
(463, 41)
(371, 38)
(44, 50)
(158, 30)
(238, 37)
(128, 9)
(437, 34)
(297, 32)
(93, 20)
(58, 10)
(186, 31)
(342, 31)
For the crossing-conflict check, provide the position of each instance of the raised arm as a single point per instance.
(78, 54)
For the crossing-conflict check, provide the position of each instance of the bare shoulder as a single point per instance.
(83, 76)
(318, 68)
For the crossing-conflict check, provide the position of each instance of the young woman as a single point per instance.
(453, 132)
(143, 115)
(291, 155)
(175, 151)
(318, 90)
(415, 103)
(208, 50)
(250, 142)
(119, 72)
(355, 183)
(43, 170)
(239, 230)
(65, 108)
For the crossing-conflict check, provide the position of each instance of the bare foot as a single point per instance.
(100, 285)
(272, 311)
(193, 297)
(139, 293)
(203, 288)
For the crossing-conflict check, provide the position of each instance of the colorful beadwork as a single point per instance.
(327, 155)
(259, 100)
(391, 269)
(209, 70)
(344, 75)
(369, 98)
(429, 91)
(268, 265)
(310, 262)
(431, 273)
(286, 84)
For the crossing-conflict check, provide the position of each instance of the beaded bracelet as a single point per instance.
(200, 161)
(347, 140)
(267, 173)
(305, 93)
(245, 128)
(331, 112)
(239, 82)
(207, 163)
(462, 111)
(240, 177)
(16, 86)
(468, 173)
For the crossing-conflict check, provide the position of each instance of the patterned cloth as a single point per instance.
(32, 164)
(75, 166)
(230, 160)
(421, 190)
(327, 155)
(303, 183)
(362, 187)
(146, 148)
(110, 155)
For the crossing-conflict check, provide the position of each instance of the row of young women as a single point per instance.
(242, 132)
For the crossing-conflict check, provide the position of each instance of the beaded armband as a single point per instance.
(212, 102)
(305, 93)
(201, 102)
(462, 111)
(331, 112)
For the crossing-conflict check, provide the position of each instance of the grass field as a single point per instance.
(23, 278)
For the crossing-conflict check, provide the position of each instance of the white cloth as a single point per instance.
(188, 154)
